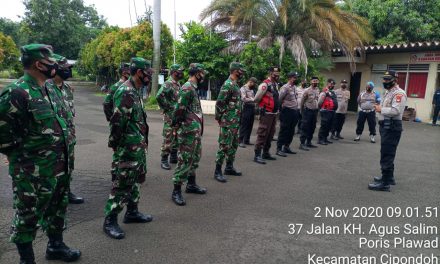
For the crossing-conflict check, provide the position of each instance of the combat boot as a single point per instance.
(322, 142)
(267, 156)
(176, 196)
(333, 136)
(111, 227)
(218, 175)
(328, 141)
(310, 145)
(192, 187)
(173, 156)
(26, 253)
(379, 186)
(73, 199)
(230, 170)
(56, 249)
(286, 149)
(280, 153)
(303, 147)
(379, 179)
(164, 162)
(132, 215)
(258, 158)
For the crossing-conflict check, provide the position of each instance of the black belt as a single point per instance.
(391, 121)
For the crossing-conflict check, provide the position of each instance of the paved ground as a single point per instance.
(245, 220)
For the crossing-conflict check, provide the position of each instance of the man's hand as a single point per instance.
(377, 108)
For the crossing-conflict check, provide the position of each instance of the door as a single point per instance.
(355, 86)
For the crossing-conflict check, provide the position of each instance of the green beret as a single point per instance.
(199, 67)
(37, 52)
(140, 63)
(236, 66)
(61, 60)
(176, 67)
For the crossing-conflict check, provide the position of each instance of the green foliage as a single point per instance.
(397, 21)
(67, 25)
(200, 45)
(102, 56)
(14, 30)
(9, 54)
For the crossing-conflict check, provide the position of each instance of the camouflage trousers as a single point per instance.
(190, 152)
(228, 144)
(129, 173)
(169, 135)
(40, 191)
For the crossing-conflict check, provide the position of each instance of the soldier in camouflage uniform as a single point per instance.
(188, 117)
(227, 114)
(167, 99)
(129, 140)
(65, 93)
(35, 138)
(124, 72)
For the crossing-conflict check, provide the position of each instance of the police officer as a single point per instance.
(188, 117)
(267, 99)
(227, 114)
(343, 95)
(248, 112)
(366, 101)
(289, 114)
(167, 99)
(436, 104)
(129, 141)
(390, 113)
(300, 91)
(327, 103)
(309, 110)
(35, 139)
(65, 92)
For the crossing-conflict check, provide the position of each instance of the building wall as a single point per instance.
(422, 106)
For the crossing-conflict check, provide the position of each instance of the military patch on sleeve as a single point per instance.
(399, 98)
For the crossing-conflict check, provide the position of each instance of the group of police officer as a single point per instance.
(38, 135)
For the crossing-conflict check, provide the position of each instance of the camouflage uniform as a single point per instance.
(167, 98)
(227, 113)
(108, 100)
(129, 139)
(38, 160)
(188, 113)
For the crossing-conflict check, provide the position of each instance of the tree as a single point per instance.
(14, 30)
(102, 56)
(299, 26)
(67, 25)
(9, 53)
(399, 21)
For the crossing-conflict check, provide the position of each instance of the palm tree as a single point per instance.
(296, 25)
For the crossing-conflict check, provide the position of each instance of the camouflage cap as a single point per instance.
(176, 67)
(199, 67)
(61, 60)
(37, 52)
(389, 75)
(236, 66)
(140, 63)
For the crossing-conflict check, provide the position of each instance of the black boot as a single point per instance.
(56, 249)
(73, 199)
(286, 149)
(164, 162)
(333, 136)
(111, 227)
(258, 159)
(218, 175)
(173, 156)
(267, 156)
(303, 147)
(379, 179)
(328, 141)
(176, 196)
(281, 153)
(338, 136)
(322, 142)
(379, 186)
(132, 215)
(192, 187)
(26, 253)
(310, 145)
(230, 170)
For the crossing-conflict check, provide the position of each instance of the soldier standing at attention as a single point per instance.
(167, 99)
(327, 103)
(124, 72)
(343, 95)
(366, 101)
(309, 110)
(35, 139)
(289, 114)
(129, 140)
(248, 113)
(267, 99)
(390, 128)
(65, 93)
(188, 117)
(227, 114)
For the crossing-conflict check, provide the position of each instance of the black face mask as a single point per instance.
(369, 89)
(314, 84)
(49, 73)
(388, 85)
(64, 73)
(343, 86)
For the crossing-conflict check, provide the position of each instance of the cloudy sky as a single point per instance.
(117, 11)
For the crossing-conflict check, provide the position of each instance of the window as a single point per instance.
(417, 84)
